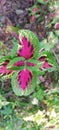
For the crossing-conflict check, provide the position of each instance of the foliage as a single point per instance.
(33, 68)
(16, 63)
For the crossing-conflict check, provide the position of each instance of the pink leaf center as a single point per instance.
(19, 63)
(3, 68)
(24, 78)
(27, 49)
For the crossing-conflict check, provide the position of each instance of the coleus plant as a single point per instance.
(26, 62)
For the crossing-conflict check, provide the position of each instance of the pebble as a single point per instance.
(19, 11)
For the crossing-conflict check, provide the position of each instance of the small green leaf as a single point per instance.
(14, 50)
(3, 101)
(42, 1)
(51, 59)
(12, 29)
(4, 58)
(57, 32)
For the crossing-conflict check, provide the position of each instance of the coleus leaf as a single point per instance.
(4, 58)
(32, 38)
(15, 62)
(4, 70)
(52, 59)
(22, 83)
(35, 68)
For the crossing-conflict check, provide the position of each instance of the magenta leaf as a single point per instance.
(45, 65)
(3, 68)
